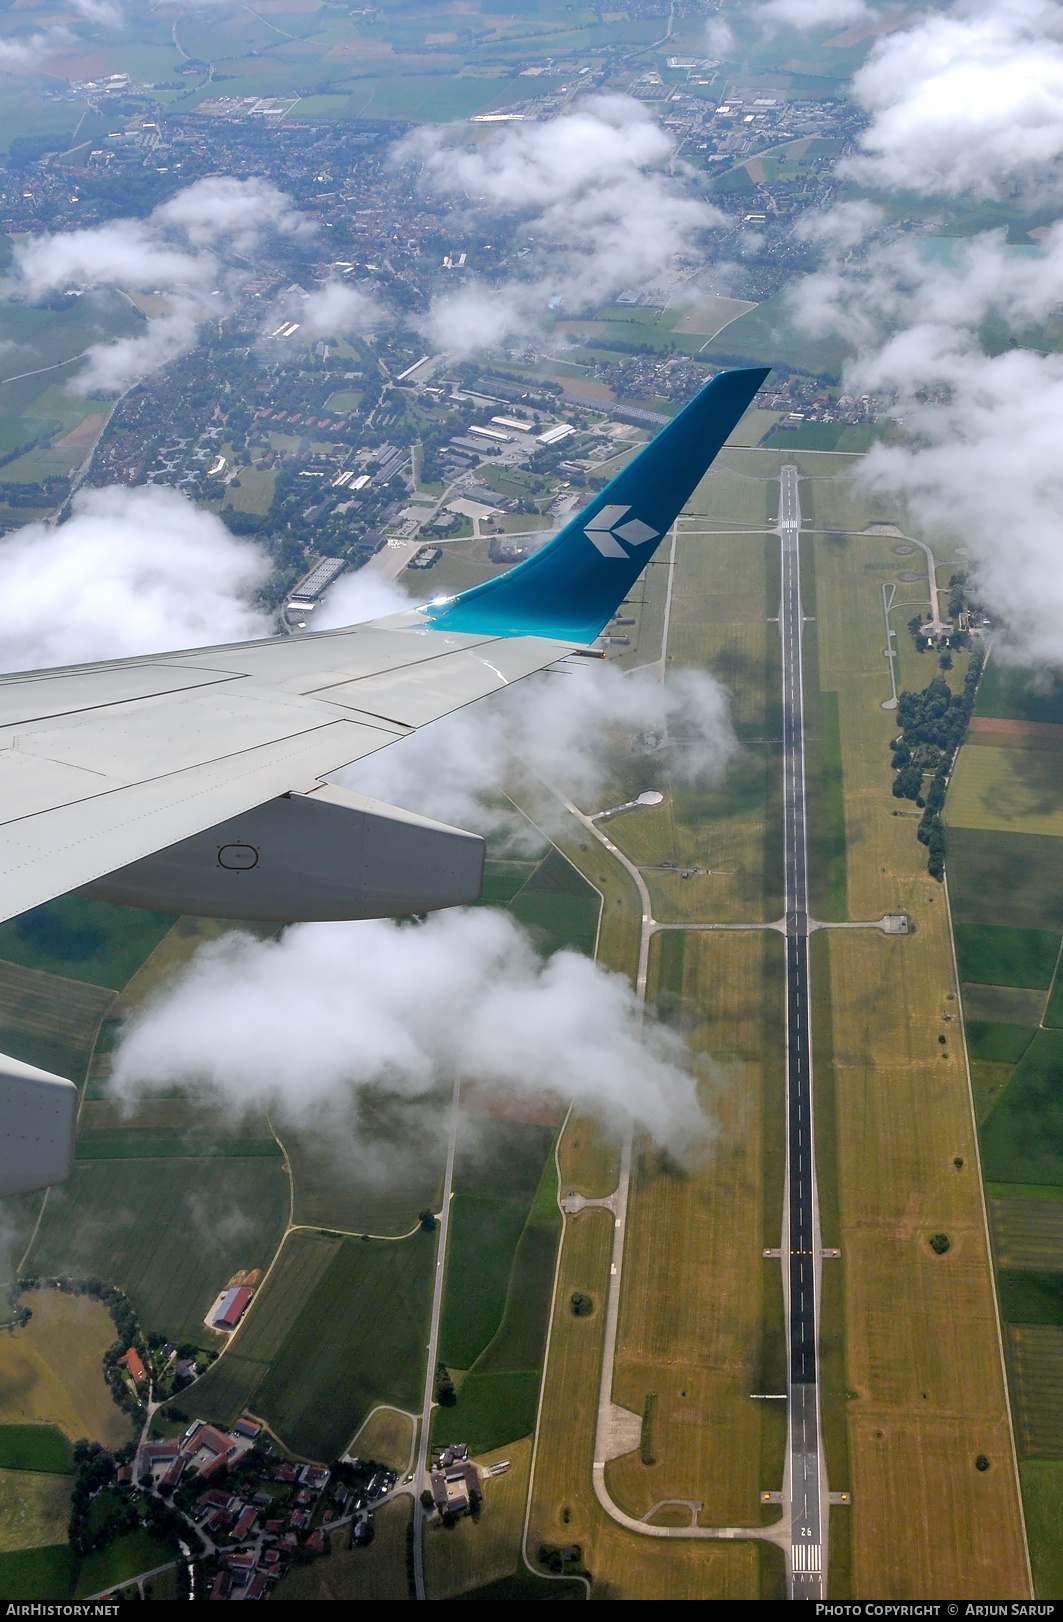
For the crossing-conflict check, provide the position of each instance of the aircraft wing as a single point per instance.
(197, 781)
(103, 765)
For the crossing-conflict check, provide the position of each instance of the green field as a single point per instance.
(1022, 1139)
(1018, 694)
(1011, 879)
(1042, 1497)
(136, 1144)
(484, 1234)
(1030, 1298)
(84, 940)
(35, 1447)
(339, 1327)
(497, 1398)
(997, 955)
(50, 1021)
(359, 1342)
(38, 1575)
(558, 907)
(137, 1551)
(168, 1232)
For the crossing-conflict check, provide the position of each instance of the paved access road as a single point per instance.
(801, 1250)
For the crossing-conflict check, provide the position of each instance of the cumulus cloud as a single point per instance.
(336, 309)
(133, 571)
(395, 1012)
(980, 463)
(807, 14)
(100, 11)
(719, 37)
(568, 728)
(969, 101)
(599, 208)
(33, 49)
(843, 226)
(185, 248)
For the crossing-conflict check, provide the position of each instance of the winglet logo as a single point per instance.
(605, 531)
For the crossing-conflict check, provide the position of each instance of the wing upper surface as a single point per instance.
(101, 765)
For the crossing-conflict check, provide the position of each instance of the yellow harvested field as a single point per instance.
(1035, 1357)
(482, 1551)
(1003, 789)
(377, 1572)
(34, 1509)
(1027, 1233)
(387, 1437)
(51, 1370)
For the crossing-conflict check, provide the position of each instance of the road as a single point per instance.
(420, 1471)
(805, 1475)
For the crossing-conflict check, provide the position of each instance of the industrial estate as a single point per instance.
(505, 1342)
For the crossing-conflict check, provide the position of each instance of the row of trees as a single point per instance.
(933, 725)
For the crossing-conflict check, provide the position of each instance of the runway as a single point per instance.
(805, 1481)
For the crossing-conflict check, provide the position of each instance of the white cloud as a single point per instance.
(843, 226)
(966, 102)
(598, 206)
(184, 248)
(719, 38)
(389, 1011)
(104, 12)
(567, 728)
(806, 14)
(981, 462)
(112, 367)
(336, 309)
(34, 48)
(133, 571)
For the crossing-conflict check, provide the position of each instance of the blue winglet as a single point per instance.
(573, 586)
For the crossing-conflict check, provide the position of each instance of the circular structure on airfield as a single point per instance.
(909, 574)
(903, 550)
(651, 796)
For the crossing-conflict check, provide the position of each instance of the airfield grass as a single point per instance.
(625, 1565)
(473, 1553)
(50, 1021)
(84, 940)
(691, 1318)
(1002, 956)
(386, 1435)
(1042, 1497)
(36, 1447)
(374, 1573)
(721, 597)
(358, 1342)
(1007, 789)
(34, 1509)
(903, 1117)
(169, 1232)
(51, 1371)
